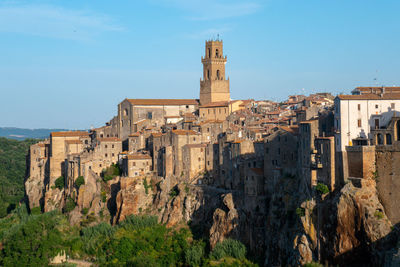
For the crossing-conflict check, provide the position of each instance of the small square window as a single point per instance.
(376, 106)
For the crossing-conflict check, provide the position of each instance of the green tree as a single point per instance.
(60, 183)
(79, 181)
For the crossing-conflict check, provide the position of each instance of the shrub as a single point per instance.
(103, 196)
(229, 248)
(70, 205)
(378, 214)
(301, 212)
(322, 189)
(59, 183)
(194, 254)
(36, 210)
(146, 186)
(85, 211)
(79, 181)
(111, 172)
(174, 192)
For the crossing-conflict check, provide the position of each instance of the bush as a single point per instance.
(174, 192)
(322, 189)
(60, 183)
(301, 212)
(85, 211)
(111, 172)
(229, 248)
(194, 254)
(146, 186)
(70, 205)
(79, 181)
(378, 214)
(36, 210)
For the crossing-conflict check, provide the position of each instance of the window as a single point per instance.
(376, 106)
(393, 105)
(217, 74)
(99, 165)
(133, 164)
(216, 53)
(187, 106)
(86, 142)
(105, 146)
(376, 123)
(208, 74)
(105, 155)
(126, 112)
(209, 52)
(149, 115)
(208, 163)
(112, 154)
(199, 159)
(359, 107)
(359, 123)
(112, 146)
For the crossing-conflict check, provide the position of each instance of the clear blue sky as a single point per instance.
(68, 63)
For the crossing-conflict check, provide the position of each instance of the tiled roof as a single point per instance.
(163, 102)
(156, 134)
(216, 104)
(69, 134)
(370, 97)
(291, 129)
(109, 139)
(138, 156)
(184, 132)
(71, 142)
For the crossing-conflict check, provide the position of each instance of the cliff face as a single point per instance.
(292, 226)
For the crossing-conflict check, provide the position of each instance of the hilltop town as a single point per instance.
(310, 178)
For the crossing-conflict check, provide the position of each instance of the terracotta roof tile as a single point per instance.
(163, 102)
(138, 156)
(370, 97)
(184, 132)
(69, 134)
(109, 139)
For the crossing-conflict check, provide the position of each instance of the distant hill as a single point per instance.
(22, 134)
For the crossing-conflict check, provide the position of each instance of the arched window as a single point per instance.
(379, 139)
(209, 52)
(388, 139)
(217, 74)
(208, 74)
(216, 53)
(398, 130)
(126, 112)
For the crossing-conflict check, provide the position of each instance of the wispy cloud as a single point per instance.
(54, 22)
(213, 9)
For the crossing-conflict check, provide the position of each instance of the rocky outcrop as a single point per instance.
(225, 223)
(134, 197)
(353, 223)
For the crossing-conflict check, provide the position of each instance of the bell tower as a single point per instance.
(214, 87)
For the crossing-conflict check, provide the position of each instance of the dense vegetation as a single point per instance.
(33, 240)
(12, 172)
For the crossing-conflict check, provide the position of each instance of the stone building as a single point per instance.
(181, 138)
(214, 87)
(194, 160)
(58, 146)
(137, 164)
(134, 114)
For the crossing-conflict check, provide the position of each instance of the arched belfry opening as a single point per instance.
(208, 74)
(216, 53)
(209, 52)
(398, 130)
(218, 75)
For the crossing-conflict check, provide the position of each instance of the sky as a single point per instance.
(67, 64)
